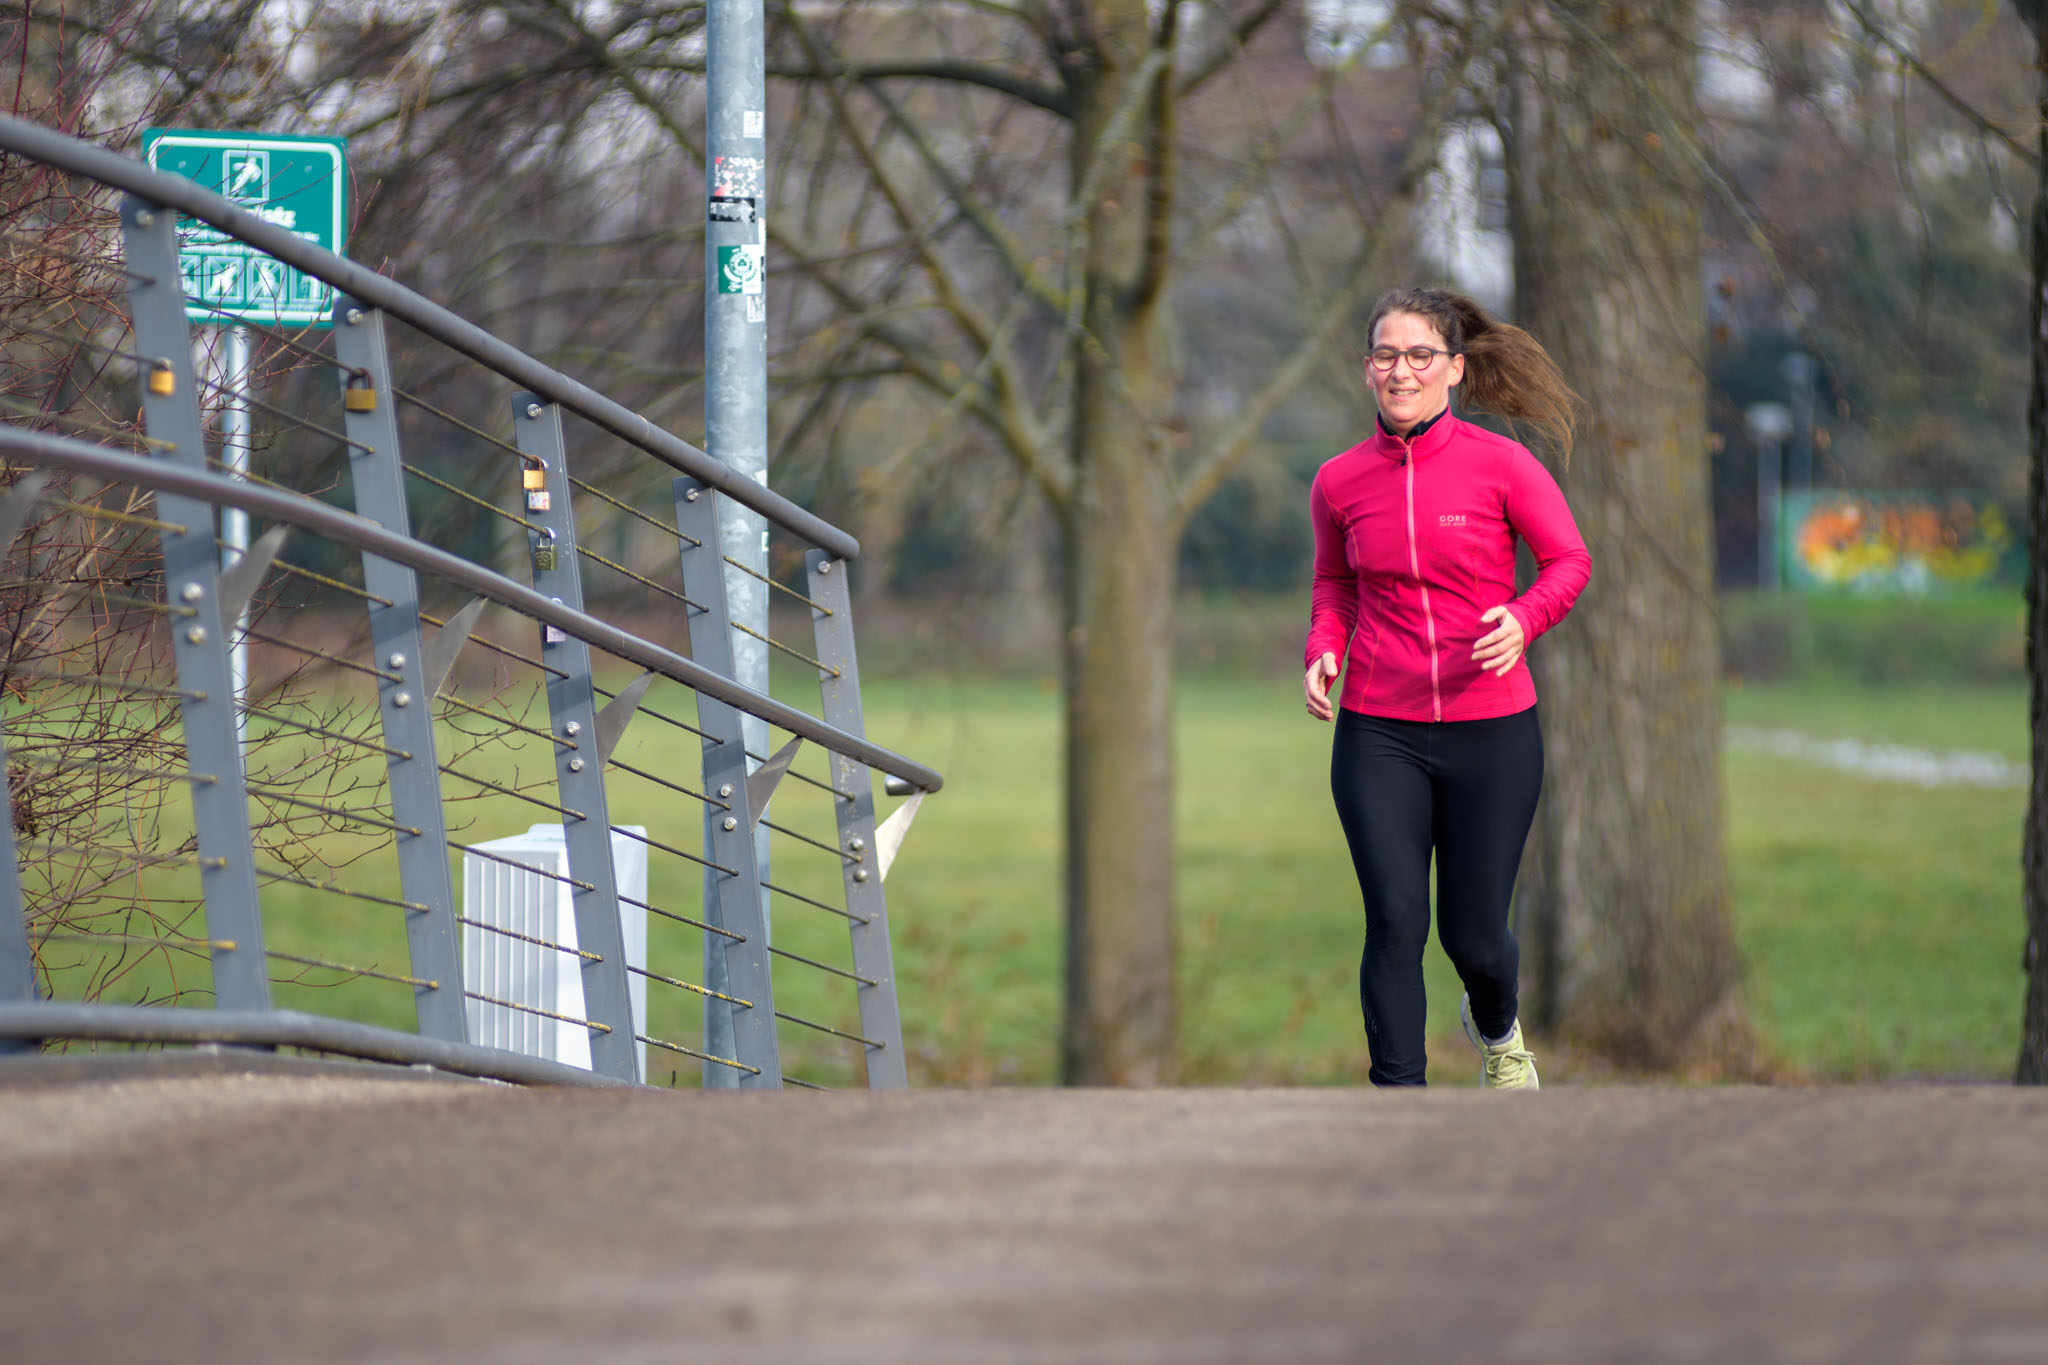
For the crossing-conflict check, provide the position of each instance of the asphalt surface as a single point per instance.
(344, 1219)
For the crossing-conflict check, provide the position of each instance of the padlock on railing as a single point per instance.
(162, 382)
(357, 395)
(544, 552)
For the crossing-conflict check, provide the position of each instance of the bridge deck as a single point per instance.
(326, 1220)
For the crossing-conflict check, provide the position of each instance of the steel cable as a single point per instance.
(689, 986)
(535, 1009)
(827, 1028)
(504, 790)
(500, 929)
(670, 848)
(103, 680)
(523, 867)
(700, 1056)
(756, 573)
(325, 965)
(685, 919)
(799, 896)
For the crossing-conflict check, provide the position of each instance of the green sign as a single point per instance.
(297, 183)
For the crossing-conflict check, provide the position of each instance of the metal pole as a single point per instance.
(1799, 380)
(234, 522)
(1769, 458)
(736, 387)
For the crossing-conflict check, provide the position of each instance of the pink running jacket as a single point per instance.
(1414, 539)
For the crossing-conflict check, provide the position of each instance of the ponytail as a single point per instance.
(1507, 371)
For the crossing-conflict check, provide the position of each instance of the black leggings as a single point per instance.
(1467, 790)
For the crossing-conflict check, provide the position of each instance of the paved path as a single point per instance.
(342, 1220)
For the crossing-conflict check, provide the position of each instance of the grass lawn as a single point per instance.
(1879, 923)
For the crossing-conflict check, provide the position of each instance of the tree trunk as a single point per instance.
(1118, 604)
(1625, 906)
(2033, 1060)
(1120, 1021)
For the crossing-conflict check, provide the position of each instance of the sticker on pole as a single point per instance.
(736, 177)
(299, 184)
(740, 269)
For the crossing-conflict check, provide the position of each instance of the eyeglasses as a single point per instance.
(1420, 358)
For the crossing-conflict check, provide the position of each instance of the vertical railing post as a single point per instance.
(17, 961)
(579, 768)
(406, 705)
(854, 806)
(199, 643)
(734, 902)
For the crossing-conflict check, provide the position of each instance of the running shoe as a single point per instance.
(1505, 1065)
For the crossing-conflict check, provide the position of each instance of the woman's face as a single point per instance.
(1405, 396)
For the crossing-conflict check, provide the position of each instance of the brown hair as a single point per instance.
(1507, 371)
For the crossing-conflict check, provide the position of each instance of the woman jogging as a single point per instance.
(1437, 748)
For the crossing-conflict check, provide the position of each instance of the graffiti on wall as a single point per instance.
(1890, 542)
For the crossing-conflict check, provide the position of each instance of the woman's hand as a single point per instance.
(1501, 649)
(1315, 686)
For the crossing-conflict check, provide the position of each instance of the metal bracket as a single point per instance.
(618, 714)
(239, 581)
(438, 655)
(761, 782)
(890, 834)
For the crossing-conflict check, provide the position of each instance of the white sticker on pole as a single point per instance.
(740, 268)
(752, 124)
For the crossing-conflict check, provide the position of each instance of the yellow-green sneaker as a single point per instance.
(1505, 1065)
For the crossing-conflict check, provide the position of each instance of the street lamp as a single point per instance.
(1769, 424)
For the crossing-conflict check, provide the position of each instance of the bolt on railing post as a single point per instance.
(854, 807)
(199, 644)
(734, 902)
(579, 771)
(406, 705)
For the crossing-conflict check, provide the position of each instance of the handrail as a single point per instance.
(84, 458)
(379, 291)
(283, 1028)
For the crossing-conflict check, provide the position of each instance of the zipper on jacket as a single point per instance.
(1436, 694)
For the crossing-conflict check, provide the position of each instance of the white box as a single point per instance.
(529, 974)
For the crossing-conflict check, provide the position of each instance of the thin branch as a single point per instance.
(1912, 62)
(1231, 48)
(1009, 387)
(1017, 262)
(1048, 98)
(1161, 166)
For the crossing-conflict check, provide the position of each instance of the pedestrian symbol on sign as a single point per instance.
(245, 176)
(223, 279)
(266, 280)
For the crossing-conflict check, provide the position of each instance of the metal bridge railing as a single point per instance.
(336, 792)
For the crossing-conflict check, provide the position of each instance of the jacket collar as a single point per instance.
(1436, 434)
